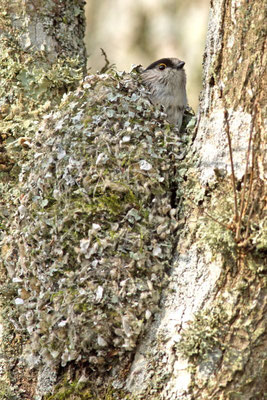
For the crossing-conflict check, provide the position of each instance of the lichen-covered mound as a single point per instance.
(92, 240)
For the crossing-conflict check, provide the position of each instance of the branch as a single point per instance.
(242, 205)
(107, 62)
(210, 216)
(232, 163)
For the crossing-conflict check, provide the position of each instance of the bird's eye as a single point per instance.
(162, 66)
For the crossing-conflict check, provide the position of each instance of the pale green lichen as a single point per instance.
(32, 79)
(204, 334)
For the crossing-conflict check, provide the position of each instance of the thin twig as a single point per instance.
(107, 62)
(249, 217)
(242, 205)
(208, 215)
(251, 181)
(232, 162)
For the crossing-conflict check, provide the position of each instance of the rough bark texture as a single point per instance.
(42, 56)
(218, 267)
(53, 27)
(117, 244)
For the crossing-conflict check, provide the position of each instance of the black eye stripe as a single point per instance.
(165, 61)
(172, 63)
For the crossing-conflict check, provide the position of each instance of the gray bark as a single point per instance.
(231, 103)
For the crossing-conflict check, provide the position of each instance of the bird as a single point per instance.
(166, 82)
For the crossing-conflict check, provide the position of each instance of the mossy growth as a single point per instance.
(215, 209)
(218, 237)
(85, 391)
(217, 227)
(35, 80)
(6, 393)
(204, 334)
(31, 85)
(71, 391)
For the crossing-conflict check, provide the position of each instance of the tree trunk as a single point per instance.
(129, 267)
(42, 56)
(55, 28)
(219, 260)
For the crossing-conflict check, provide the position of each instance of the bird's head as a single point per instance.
(165, 71)
(166, 82)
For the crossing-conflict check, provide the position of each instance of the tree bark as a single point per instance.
(42, 56)
(55, 28)
(219, 261)
(130, 268)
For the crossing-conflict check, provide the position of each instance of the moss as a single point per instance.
(29, 77)
(86, 391)
(6, 393)
(71, 391)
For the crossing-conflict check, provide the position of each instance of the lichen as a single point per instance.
(204, 334)
(214, 227)
(33, 79)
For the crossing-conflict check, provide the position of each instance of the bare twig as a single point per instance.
(248, 221)
(232, 163)
(107, 62)
(208, 215)
(243, 205)
(251, 181)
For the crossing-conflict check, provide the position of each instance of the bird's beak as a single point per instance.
(180, 65)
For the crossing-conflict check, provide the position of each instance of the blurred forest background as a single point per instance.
(142, 31)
